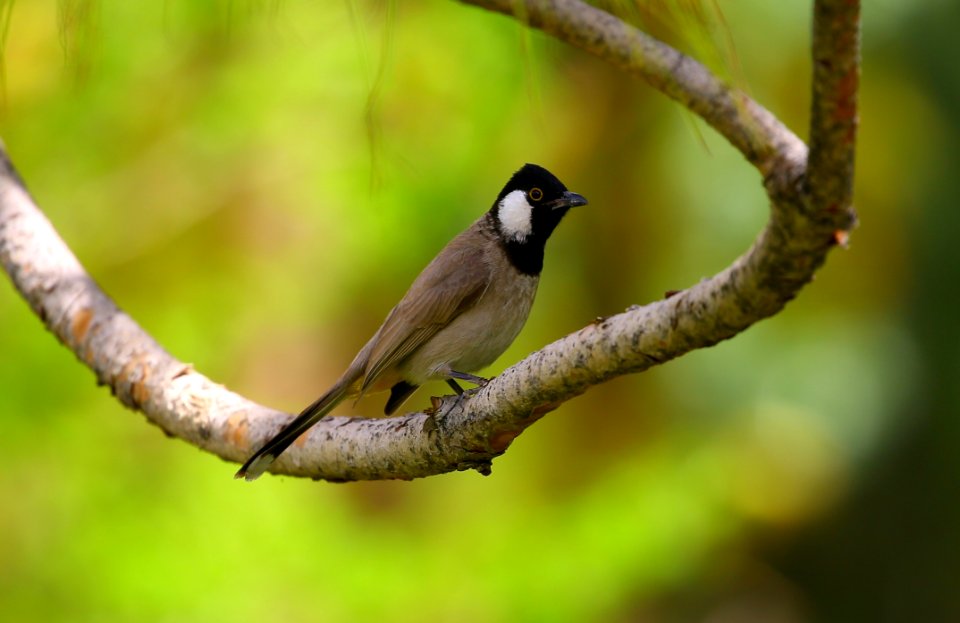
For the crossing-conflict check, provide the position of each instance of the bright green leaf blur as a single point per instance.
(258, 182)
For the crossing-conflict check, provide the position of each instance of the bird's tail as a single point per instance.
(265, 456)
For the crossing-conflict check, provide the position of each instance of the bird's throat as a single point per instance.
(526, 256)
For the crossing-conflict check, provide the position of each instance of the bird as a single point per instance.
(459, 315)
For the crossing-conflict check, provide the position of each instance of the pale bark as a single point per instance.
(810, 213)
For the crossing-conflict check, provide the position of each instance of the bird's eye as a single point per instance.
(536, 194)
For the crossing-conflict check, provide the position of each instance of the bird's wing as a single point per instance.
(450, 285)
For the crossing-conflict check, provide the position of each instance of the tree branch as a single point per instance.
(749, 127)
(466, 432)
(833, 122)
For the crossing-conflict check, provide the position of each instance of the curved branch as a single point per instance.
(469, 431)
(749, 127)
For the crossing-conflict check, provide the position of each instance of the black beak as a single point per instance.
(568, 200)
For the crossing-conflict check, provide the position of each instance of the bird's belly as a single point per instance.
(477, 337)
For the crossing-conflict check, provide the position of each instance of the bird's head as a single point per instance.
(526, 212)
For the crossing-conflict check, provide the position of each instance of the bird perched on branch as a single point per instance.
(461, 312)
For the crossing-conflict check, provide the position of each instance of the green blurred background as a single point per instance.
(257, 182)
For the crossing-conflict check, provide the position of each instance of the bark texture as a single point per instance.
(811, 212)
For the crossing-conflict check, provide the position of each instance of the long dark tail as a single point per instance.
(261, 460)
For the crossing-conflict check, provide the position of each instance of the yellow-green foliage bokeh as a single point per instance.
(257, 182)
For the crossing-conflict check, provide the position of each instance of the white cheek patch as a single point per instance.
(515, 216)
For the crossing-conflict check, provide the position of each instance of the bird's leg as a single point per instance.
(479, 381)
(463, 376)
